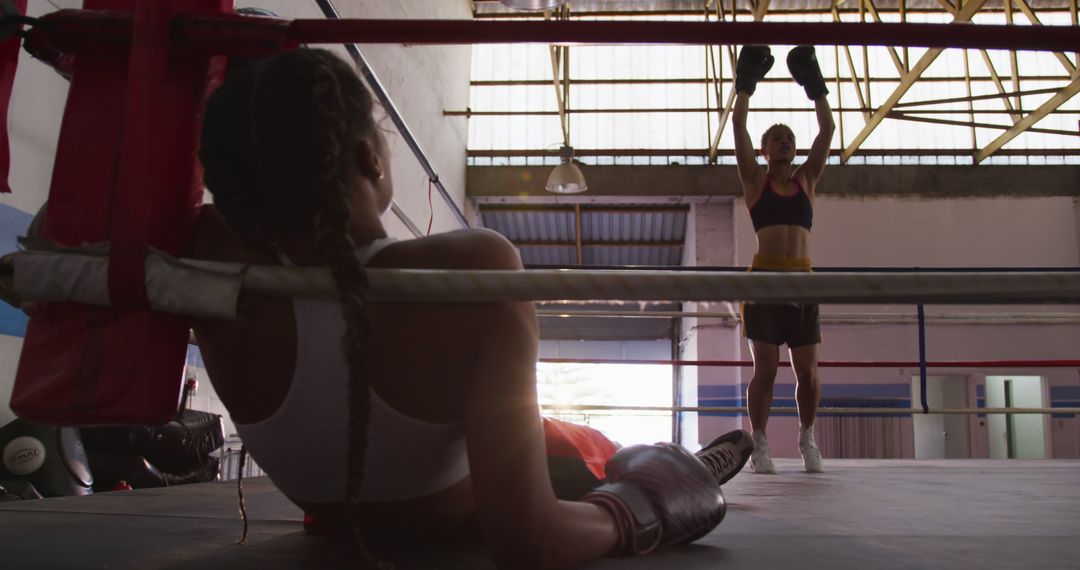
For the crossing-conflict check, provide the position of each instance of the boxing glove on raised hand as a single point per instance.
(754, 62)
(659, 495)
(803, 65)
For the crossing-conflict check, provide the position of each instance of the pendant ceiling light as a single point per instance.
(567, 177)
(533, 4)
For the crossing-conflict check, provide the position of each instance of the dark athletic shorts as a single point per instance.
(790, 324)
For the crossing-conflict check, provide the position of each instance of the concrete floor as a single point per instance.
(865, 514)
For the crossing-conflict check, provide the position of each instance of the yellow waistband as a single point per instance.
(780, 263)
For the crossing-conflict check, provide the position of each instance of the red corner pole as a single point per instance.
(75, 31)
(9, 61)
(685, 33)
(125, 172)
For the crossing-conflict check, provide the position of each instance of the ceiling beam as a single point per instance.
(1000, 86)
(714, 145)
(948, 6)
(906, 116)
(851, 68)
(968, 98)
(1022, 125)
(758, 111)
(1074, 13)
(696, 80)
(760, 9)
(1064, 59)
(693, 154)
(675, 186)
(892, 51)
(906, 82)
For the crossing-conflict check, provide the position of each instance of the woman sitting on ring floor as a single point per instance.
(414, 420)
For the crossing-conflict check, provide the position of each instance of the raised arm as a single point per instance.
(754, 62)
(745, 151)
(803, 64)
(810, 171)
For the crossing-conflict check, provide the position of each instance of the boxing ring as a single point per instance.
(859, 514)
(887, 514)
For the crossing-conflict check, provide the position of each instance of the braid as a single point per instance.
(332, 233)
(290, 124)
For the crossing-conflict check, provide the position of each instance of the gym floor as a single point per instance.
(878, 514)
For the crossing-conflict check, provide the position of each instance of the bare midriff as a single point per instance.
(784, 241)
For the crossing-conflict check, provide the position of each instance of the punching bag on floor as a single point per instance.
(50, 458)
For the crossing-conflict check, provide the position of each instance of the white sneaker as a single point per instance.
(726, 455)
(760, 459)
(811, 455)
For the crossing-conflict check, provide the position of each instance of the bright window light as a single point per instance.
(611, 385)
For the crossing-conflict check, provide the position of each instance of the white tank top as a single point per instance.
(303, 445)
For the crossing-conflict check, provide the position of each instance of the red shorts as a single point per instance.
(576, 457)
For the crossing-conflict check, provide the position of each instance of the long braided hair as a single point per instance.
(276, 148)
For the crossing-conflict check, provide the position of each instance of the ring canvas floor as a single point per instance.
(865, 514)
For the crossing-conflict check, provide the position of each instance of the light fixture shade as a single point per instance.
(566, 178)
(533, 4)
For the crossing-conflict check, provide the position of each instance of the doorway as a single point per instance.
(941, 436)
(1016, 436)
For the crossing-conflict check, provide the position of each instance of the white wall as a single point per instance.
(690, 422)
(1076, 220)
(422, 81)
(10, 346)
(715, 236)
(971, 232)
(37, 104)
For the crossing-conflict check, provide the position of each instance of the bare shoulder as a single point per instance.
(752, 183)
(213, 239)
(806, 180)
(463, 249)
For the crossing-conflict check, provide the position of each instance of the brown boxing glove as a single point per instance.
(659, 495)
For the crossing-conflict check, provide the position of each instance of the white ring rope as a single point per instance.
(570, 285)
(212, 289)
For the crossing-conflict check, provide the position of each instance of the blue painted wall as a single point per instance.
(13, 223)
(832, 396)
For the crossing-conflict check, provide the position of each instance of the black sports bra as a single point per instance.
(772, 209)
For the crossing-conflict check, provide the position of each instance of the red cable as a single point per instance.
(431, 208)
(836, 363)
